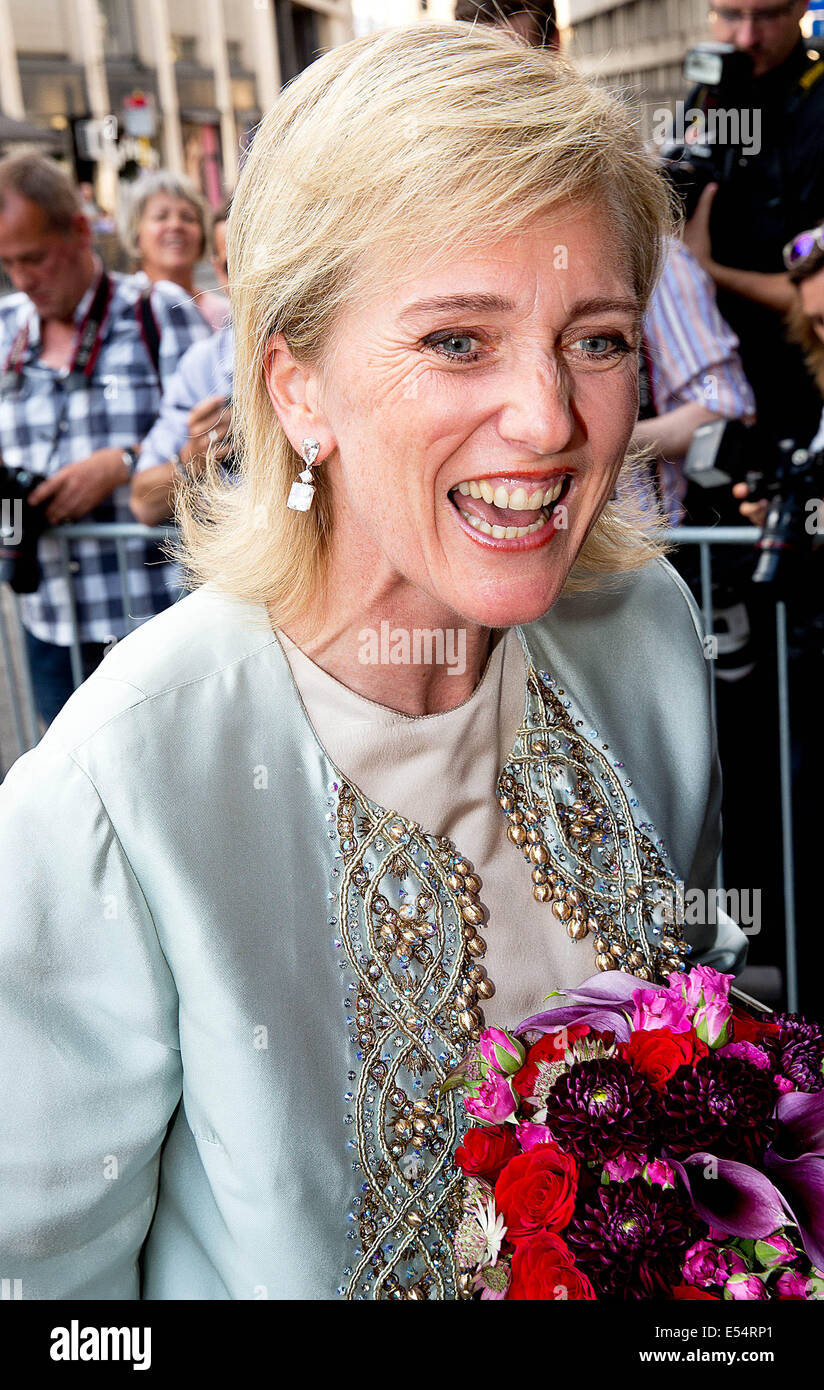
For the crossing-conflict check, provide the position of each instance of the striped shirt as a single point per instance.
(693, 355)
(45, 425)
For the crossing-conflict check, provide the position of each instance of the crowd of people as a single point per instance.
(116, 386)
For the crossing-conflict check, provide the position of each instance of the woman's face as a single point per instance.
(812, 302)
(169, 237)
(481, 413)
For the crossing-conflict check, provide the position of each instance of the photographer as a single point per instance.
(85, 352)
(804, 258)
(744, 219)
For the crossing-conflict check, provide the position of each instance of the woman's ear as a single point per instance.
(293, 391)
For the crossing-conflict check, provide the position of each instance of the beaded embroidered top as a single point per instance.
(410, 918)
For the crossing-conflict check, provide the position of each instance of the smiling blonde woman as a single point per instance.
(429, 738)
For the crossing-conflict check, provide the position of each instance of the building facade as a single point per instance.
(125, 84)
(637, 47)
(370, 15)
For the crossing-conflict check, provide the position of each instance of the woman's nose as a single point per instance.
(536, 412)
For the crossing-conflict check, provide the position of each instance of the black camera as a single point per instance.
(789, 478)
(706, 149)
(794, 493)
(721, 452)
(21, 527)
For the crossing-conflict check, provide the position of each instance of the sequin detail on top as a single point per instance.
(409, 919)
(595, 869)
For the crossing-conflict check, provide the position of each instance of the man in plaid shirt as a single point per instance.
(82, 368)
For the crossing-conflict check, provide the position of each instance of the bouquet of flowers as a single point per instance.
(644, 1143)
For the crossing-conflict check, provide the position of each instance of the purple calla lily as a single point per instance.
(800, 1117)
(795, 1160)
(731, 1196)
(603, 1001)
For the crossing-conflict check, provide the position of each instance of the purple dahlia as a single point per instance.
(599, 1109)
(799, 1051)
(631, 1239)
(794, 1028)
(719, 1105)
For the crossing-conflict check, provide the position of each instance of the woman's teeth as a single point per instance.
(504, 532)
(518, 501)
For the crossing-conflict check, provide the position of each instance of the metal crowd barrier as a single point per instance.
(705, 537)
(27, 731)
(12, 638)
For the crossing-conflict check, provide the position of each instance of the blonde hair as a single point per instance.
(392, 150)
(155, 181)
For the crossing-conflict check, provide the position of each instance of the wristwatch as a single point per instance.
(130, 457)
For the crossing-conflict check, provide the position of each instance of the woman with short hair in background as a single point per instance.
(167, 230)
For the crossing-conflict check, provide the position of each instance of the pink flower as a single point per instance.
(659, 1173)
(700, 985)
(746, 1287)
(783, 1083)
(791, 1284)
(659, 1008)
(624, 1167)
(494, 1100)
(530, 1135)
(493, 1281)
(705, 1265)
(701, 1264)
(501, 1051)
(711, 1022)
(775, 1250)
(748, 1052)
(705, 994)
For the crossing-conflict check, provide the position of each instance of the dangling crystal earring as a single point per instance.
(302, 492)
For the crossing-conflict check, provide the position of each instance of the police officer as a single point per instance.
(740, 227)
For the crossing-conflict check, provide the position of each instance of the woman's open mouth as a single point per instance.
(506, 509)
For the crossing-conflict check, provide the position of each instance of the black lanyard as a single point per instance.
(87, 343)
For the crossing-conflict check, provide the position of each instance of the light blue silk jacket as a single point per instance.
(219, 1075)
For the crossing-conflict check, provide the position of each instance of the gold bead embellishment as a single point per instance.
(409, 917)
(601, 876)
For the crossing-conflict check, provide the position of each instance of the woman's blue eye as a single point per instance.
(458, 345)
(598, 345)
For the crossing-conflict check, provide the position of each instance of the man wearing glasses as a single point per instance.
(740, 229)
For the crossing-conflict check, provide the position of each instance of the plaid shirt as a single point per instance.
(44, 426)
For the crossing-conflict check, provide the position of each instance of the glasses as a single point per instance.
(803, 246)
(771, 15)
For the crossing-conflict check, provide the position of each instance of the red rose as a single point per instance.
(657, 1054)
(536, 1191)
(543, 1267)
(549, 1048)
(752, 1030)
(688, 1293)
(484, 1152)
